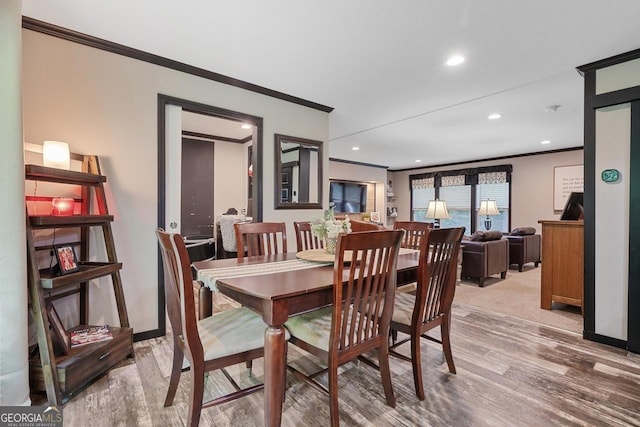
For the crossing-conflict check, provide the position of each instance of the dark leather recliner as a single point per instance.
(483, 259)
(524, 249)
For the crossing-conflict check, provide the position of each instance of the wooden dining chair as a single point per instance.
(305, 239)
(218, 341)
(431, 305)
(413, 232)
(358, 321)
(261, 238)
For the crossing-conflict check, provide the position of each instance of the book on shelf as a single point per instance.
(90, 335)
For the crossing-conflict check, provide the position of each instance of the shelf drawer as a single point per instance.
(85, 363)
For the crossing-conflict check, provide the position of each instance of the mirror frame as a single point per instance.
(278, 204)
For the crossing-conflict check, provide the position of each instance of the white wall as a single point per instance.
(14, 373)
(619, 76)
(230, 165)
(531, 185)
(613, 138)
(105, 104)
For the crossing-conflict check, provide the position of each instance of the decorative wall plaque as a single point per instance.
(610, 175)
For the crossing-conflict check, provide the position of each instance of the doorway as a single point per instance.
(176, 118)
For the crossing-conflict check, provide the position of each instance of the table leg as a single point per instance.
(274, 374)
(205, 306)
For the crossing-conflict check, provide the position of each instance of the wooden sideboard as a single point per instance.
(562, 263)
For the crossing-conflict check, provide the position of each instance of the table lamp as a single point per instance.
(437, 210)
(488, 207)
(55, 154)
(62, 206)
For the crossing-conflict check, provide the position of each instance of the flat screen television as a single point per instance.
(573, 209)
(349, 197)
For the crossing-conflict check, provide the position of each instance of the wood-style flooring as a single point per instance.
(511, 372)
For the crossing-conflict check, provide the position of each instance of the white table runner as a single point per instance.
(210, 276)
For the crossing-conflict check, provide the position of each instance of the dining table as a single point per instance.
(279, 286)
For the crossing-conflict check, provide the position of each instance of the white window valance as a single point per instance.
(452, 181)
(423, 183)
(492, 178)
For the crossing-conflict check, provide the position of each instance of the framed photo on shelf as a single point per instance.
(375, 217)
(57, 329)
(66, 257)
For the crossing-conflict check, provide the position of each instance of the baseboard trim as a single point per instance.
(602, 339)
(142, 336)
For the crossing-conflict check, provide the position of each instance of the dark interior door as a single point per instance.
(197, 188)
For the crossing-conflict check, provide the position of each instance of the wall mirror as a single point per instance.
(298, 173)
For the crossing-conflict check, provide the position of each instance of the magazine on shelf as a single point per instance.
(90, 335)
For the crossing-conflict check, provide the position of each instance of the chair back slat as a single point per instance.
(261, 238)
(365, 287)
(179, 294)
(413, 232)
(436, 274)
(304, 237)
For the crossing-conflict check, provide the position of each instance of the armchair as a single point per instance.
(481, 259)
(524, 249)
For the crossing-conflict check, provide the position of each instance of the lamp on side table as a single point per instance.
(437, 210)
(488, 207)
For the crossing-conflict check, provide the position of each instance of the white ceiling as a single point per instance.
(214, 126)
(380, 63)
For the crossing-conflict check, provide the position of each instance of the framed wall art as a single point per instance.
(566, 180)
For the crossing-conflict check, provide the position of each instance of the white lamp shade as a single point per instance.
(488, 207)
(55, 154)
(437, 210)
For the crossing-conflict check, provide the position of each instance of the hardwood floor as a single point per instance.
(511, 372)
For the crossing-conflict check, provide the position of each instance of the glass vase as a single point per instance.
(330, 244)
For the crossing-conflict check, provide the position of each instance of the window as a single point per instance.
(464, 190)
(457, 195)
(499, 193)
(422, 190)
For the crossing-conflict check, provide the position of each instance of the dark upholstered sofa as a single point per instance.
(481, 259)
(524, 249)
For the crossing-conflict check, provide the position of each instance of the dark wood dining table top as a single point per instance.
(288, 284)
(277, 296)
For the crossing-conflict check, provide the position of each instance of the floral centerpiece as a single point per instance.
(328, 228)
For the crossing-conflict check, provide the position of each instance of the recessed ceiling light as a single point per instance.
(246, 126)
(355, 148)
(418, 161)
(455, 60)
(495, 116)
(545, 142)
